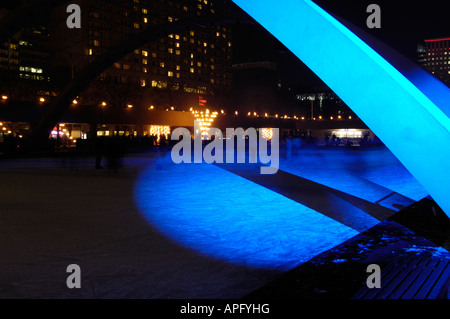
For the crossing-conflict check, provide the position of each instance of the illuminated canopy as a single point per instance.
(408, 112)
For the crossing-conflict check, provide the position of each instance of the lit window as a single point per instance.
(144, 11)
(177, 37)
(191, 70)
(199, 64)
(90, 52)
(143, 83)
(126, 67)
(192, 33)
(192, 55)
(177, 52)
(145, 53)
(177, 45)
(170, 74)
(145, 20)
(144, 61)
(178, 68)
(170, 19)
(96, 43)
(117, 65)
(136, 25)
(170, 50)
(161, 64)
(145, 70)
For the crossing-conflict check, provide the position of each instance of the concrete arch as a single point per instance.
(72, 89)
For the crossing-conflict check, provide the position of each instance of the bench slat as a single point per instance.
(443, 279)
(387, 275)
(410, 278)
(431, 280)
(420, 264)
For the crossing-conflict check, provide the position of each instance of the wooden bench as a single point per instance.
(411, 278)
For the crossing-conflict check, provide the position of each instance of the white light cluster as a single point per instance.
(158, 130)
(205, 119)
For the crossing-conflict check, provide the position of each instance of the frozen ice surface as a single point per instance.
(224, 216)
(370, 174)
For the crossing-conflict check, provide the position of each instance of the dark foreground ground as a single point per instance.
(52, 216)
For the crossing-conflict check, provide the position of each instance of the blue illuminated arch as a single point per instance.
(407, 110)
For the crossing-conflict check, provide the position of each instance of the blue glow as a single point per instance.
(370, 174)
(415, 129)
(224, 216)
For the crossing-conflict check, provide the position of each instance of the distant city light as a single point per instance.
(130, 106)
(267, 133)
(331, 118)
(4, 97)
(75, 101)
(236, 113)
(41, 99)
(103, 103)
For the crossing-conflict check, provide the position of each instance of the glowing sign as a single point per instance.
(410, 121)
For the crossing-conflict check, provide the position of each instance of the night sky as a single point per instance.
(404, 25)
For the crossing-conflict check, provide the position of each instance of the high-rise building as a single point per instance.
(24, 63)
(160, 73)
(435, 58)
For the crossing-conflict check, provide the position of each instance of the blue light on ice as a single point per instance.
(224, 216)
